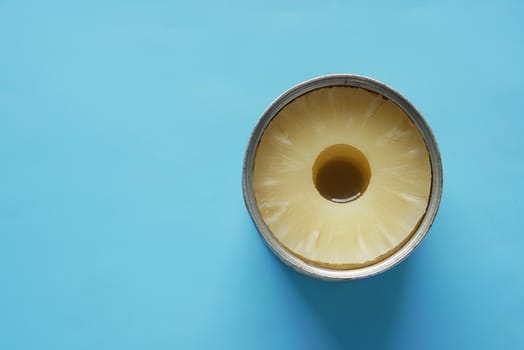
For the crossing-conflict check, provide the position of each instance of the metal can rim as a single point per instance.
(436, 171)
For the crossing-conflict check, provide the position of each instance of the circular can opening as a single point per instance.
(307, 204)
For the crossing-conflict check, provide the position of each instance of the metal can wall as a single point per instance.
(414, 240)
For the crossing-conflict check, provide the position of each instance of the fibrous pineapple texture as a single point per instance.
(342, 177)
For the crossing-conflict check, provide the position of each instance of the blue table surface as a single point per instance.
(123, 126)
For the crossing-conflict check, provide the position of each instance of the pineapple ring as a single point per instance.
(342, 177)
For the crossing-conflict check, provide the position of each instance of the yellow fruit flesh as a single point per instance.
(387, 190)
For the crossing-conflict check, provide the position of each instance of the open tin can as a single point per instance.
(325, 272)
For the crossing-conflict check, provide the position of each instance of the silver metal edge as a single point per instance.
(436, 185)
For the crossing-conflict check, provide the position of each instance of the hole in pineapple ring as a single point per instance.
(341, 173)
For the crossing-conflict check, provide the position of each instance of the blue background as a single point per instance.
(123, 126)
